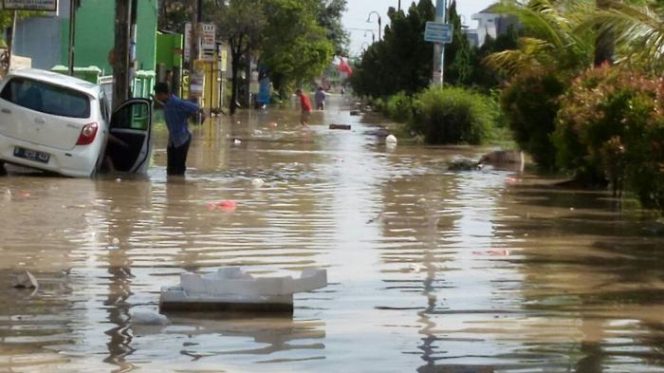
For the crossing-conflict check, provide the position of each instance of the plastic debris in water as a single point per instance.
(257, 182)
(391, 140)
(224, 205)
(237, 141)
(493, 252)
(148, 318)
(231, 289)
(25, 280)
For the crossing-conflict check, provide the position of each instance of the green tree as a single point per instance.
(295, 48)
(458, 54)
(638, 31)
(241, 23)
(173, 15)
(329, 15)
(552, 37)
(482, 76)
(402, 61)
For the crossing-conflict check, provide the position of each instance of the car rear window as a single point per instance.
(47, 98)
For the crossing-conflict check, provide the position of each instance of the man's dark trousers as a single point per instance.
(177, 158)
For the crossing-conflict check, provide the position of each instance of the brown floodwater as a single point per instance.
(429, 270)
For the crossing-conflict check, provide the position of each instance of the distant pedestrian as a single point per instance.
(320, 98)
(177, 113)
(305, 107)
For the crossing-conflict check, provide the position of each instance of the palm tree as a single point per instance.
(551, 36)
(638, 31)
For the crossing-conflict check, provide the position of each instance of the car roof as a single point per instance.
(54, 78)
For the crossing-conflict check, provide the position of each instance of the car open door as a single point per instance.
(129, 145)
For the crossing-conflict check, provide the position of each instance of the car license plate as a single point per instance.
(32, 155)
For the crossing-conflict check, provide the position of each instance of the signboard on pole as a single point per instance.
(208, 41)
(438, 32)
(187, 42)
(42, 5)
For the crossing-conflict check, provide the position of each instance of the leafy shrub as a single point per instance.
(611, 124)
(453, 116)
(399, 107)
(530, 102)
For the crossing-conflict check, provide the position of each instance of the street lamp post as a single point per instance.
(380, 23)
(373, 35)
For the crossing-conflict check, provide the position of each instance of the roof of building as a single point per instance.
(491, 9)
(58, 79)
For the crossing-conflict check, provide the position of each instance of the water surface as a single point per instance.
(429, 270)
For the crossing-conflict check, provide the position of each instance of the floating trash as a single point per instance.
(493, 252)
(148, 318)
(232, 290)
(391, 140)
(25, 280)
(346, 127)
(257, 182)
(224, 205)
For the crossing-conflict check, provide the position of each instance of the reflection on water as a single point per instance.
(430, 270)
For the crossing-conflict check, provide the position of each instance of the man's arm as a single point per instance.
(188, 107)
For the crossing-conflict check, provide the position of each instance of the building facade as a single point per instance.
(46, 39)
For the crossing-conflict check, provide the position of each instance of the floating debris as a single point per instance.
(232, 290)
(148, 318)
(346, 127)
(25, 280)
(224, 205)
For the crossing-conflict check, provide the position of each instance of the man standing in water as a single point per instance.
(305, 107)
(320, 98)
(177, 113)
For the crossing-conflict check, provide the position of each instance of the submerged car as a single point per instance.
(60, 124)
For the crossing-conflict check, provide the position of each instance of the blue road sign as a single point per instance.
(438, 32)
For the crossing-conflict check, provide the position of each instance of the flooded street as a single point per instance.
(429, 270)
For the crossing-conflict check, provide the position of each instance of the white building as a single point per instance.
(490, 23)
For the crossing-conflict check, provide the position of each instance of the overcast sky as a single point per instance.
(355, 19)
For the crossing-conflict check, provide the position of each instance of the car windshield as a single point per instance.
(47, 98)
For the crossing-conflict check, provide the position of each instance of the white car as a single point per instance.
(57, 123)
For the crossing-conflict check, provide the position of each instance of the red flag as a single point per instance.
(344, 67)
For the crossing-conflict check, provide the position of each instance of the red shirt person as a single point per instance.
(305, 106)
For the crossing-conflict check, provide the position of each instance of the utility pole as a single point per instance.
(73, 7)
(438, 48)
(196, 77)
(11, 40)
(120, 55)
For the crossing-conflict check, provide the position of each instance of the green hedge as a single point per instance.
(453, 116)
(530, 102)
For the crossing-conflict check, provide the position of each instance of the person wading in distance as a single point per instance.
(305, 107)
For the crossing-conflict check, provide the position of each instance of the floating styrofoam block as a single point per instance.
(231, 289)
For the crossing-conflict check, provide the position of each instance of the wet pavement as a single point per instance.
(430, 270)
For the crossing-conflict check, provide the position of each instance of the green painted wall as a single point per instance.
(169, 50)
(95, 34)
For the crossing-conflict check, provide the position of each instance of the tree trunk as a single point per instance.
(605, 43)
(120, 54)
(235, 67)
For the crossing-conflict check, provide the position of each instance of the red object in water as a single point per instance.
(224, 205)
(493, 252)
